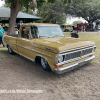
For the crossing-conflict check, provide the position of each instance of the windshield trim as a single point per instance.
(46, 36)
(45, 25)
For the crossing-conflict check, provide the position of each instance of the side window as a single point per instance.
(34, 32)
(25, 32)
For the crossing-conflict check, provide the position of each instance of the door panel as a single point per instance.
(13, 43)
(23, 46)
(24, 42)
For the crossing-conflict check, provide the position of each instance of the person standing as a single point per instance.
(88, 27)
(18, 26)
(99, 28)
(2, 32)
(96, 27)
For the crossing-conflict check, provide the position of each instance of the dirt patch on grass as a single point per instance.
(17, 72)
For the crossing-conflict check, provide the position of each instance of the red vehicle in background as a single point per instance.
(82, 27)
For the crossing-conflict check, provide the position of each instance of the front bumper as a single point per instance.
(72, 66)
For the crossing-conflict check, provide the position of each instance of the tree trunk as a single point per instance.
(15, 8)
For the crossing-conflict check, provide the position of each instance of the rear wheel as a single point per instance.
(10, 50)
(45, 64)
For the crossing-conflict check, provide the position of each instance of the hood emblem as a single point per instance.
(49, 49)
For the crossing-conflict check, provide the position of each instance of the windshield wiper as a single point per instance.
(42, 36)
(56, 35)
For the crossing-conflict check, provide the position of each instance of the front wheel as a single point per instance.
(45, 65)
(10, 50)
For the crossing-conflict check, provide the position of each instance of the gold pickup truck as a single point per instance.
(46, 43)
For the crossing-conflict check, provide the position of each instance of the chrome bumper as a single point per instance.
(72, 66)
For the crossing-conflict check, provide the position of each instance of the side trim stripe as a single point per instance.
(30, 50)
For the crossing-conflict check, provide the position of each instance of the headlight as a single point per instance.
(60, 58)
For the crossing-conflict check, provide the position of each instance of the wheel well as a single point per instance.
(38, 59)
(7, 45)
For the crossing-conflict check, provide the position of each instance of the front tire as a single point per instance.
(10, 50)
(45, 64)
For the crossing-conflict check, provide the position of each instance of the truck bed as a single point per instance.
(13, 35)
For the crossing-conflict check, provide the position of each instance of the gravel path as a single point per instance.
(17, 72)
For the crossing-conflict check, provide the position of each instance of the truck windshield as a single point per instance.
(45, 31)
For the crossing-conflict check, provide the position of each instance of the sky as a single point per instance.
(2, 3)
(72, 19)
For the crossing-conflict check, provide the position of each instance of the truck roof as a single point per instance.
(44, 24)
(66, 24)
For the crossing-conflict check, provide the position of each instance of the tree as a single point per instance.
(23, 9)
(16, 7)
(76, 22)
(88, 9)
(52, 12)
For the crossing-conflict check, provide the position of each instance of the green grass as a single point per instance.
(3, 49)
(3, 52)
(95, 61)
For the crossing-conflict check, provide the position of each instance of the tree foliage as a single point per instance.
(88, 9)
(56, 11)
(16, 7)
(52, 12)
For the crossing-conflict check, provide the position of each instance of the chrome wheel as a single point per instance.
(10, 50)
(45, 64)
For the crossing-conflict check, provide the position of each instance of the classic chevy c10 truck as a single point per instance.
(46, 43)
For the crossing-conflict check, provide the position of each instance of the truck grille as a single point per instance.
(73, 55)
(78, 53)
(87, 51)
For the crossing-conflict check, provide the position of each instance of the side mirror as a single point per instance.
(74, 35)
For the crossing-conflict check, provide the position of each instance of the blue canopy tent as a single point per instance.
(59, 23)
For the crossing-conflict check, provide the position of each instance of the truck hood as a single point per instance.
(60, 44)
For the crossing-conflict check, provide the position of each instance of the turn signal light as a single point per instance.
(91, 55)
(57, 66)
(51, 50)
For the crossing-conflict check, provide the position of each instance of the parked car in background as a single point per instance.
(65, 27)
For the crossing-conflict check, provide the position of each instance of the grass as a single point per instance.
(95, 61)
(3, 52)
(3, 49)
